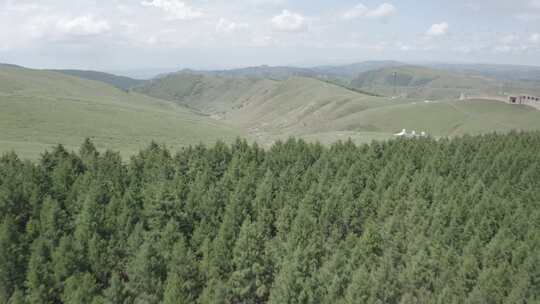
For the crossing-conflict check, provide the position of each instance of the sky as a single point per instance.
(215, 34)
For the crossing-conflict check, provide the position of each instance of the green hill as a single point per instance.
(422, 82)
(43, 108)
(120, 82)
(269, 72)
(351, 71)
(329, 72)
(498, 71)
(432, 83)
(206, 93)
(317, 110)
(266, 108)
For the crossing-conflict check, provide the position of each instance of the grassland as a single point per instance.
(121, 82)
(321, 111)
(435, 84)
(41, 109)
(446, 118)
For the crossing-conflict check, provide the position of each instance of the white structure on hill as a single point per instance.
(413, 134)
(524, 99)
(402, 133)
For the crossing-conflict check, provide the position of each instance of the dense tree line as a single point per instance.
(404, 221)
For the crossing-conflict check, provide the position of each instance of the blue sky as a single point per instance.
(137, 34)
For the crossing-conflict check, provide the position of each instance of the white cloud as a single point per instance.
(527, 17)
(176, 9)
(289, 22)
(510, 48)
(535, 3)
(152, 40)
(462, 49)
(22, 7)
(356, 12)
(384, 10)
(508, 39)
(57, 28)
(263, 41)
(227, 26)
(535, 38)
(404, 47)
(438, 29)
(473, 6)
(83, 25)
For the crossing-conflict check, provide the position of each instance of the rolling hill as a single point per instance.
(44, 108)
(430, 81)
(423, 82)
(437, 84)
(497, 71)
(342, 73)
(265, 71)
(318, 110)
(351, 71)
(206, 93)
(121, 82)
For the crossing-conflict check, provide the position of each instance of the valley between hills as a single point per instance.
(361, 102)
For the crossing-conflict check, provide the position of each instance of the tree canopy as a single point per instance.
(403, 221)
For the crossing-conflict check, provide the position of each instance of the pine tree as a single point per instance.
(116, 292)
(88, 150)
(182, 285)
(11, 262)
(17, 297)
(81, 288)
(39, 282)
(147, 273)
(359, 291)
(248, 281)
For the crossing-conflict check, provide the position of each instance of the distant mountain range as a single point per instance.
(349, 71)
(389, 78)
(120, 82)
(501, 72)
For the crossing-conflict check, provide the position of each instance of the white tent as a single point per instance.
(402, 133)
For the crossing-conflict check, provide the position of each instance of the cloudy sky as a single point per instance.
(138, 34)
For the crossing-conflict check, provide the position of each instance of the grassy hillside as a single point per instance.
(270, 72)
(296, 106)
(43, 108)
(338, 73)
(321, 111)
(431, 83)
(422, 82)
(120, 82)
(351, 71)
(497, 71)
(206, 93)
(448, 118)
(379, 121)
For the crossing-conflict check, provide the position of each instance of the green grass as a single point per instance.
(448, 118)
(120, 82)
(41, 109)
(317, 110)
(422, 82)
